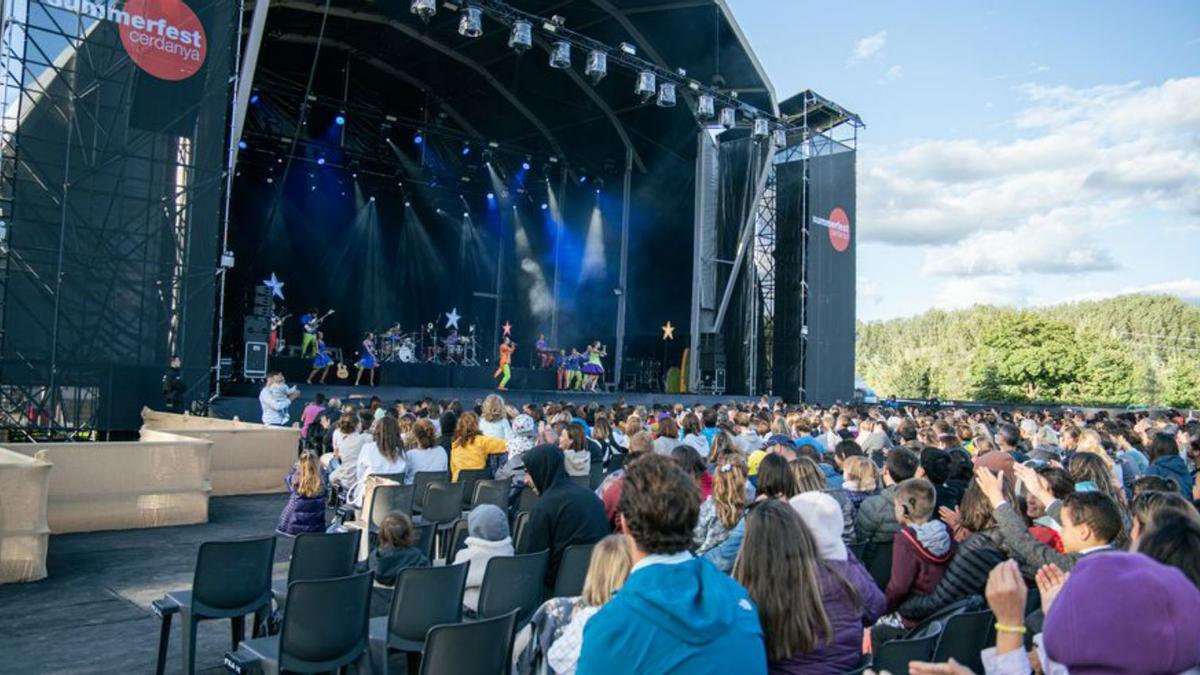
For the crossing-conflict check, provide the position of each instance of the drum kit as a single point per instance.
(425, 346)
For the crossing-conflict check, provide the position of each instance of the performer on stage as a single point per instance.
(322, 361)
(593, 370)
(507, 347)
(368, 360)
(545, 353)
(574, 364)
(562, 369)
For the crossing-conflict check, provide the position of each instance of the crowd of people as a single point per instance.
(732, 538)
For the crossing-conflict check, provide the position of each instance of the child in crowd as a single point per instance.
(607, 571)
(920, 551)
(487, 538)
(860, 479)
(397, 549)
(305, 509)
(722, 510)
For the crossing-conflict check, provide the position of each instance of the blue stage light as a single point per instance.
(254, 98)
(466, 150)
(418, 138)
(242, 145)
(582, 180)
(491, 196)
(340, 120)
(545, 206)
(525, 165)
(321, 161)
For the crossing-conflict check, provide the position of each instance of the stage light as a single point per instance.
(762, 127)
(372, 198)
(340, 120)
(545, 206)
(781, 138)
(627, 48)
(425, 9)
(407, 203)
(466, 150)
(470, 22)
(728, 117)
(597, 65)
(254, 97)
(706, 107)
(554, 24)
(521, 37)
(491, 196)
(525, 165)
(645, 86)
(242, 145)
(466, 215)
(418, 138)
(666, 95)
(582, 179)
(270, 180)
(560, 55)
(321, 161)
(487, 157)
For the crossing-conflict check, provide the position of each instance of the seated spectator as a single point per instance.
(723, 509)
(607, 572)
(397, 549)
(424, 454)
(690, 461)
(921, 551)
(860, 479)
(876, 518)
(1042, 525)
(493, 418)
(348, 440)
(775, 481)
(976, 555)
(1148, 505)
(935, 468)
(848, 597)
(610, 488)
(1166, 462)
(383, 453)
(693, 434)
(577, 454)
(305, 508)
(1153, 484)
(471, 449)
(566, 514)
(1173, 538)
(487, 538)
(523, 438)
(1088, 627)
(675, 613)
(810, 478)
(666, 435)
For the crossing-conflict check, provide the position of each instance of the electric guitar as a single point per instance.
(312, 326)
(277, 321)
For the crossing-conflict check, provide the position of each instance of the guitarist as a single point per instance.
(310, 322)
(275, 344)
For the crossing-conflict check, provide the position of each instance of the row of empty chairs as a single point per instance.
(960, 631)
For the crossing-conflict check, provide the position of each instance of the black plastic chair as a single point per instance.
(513, 582)
(425, 538)
(421, 482)
(492, 492)
(388, 498)
(424, 597)
(572, 571)
(966, 635)
(971, 603)
(895, 656)
(232, 579)
(324, 629)
(878, 560)
(519, 530)
(317, 556)
(597, 475)
(489, 652)
(582, 481)
(527, 500)
(443, 506)
(458, 539)
(616, 462)
(468, 478)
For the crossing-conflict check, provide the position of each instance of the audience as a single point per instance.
(564, 515)
(876, 519)
(676, 612)
(576, 451)
(383, 453)
(607, 572)
(493, 418)
(424, 453)
(1166, 462)
(810, 478)
(721, 511)
(397, 549)
(691, 462)
(487, 538)
(470, 449)
(921, 550)
(305, 508)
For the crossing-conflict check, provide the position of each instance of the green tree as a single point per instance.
(1109, 372)
(1033, 358)
(911, 378)
(1182, 386)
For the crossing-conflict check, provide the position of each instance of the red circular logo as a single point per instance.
(163, 37)
(839, 230)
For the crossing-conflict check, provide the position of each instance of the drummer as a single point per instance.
(453, 346)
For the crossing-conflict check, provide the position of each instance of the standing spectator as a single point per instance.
(876, 519)
(173, 387)
(275, 399)
(675, 613)
(566, 514)
(1166, 462)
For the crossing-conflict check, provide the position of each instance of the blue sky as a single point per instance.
(1017, 153)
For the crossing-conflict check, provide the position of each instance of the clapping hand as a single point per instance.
(1006, 593)
(1050, 580)
(990, 484)
(1034, 483)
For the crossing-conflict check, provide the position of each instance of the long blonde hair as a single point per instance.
(1091, 442)
(862, 471)
(493, 408)
(607, 571)
(729, 490)
(308, 477)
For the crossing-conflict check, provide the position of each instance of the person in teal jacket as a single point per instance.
(676, 613)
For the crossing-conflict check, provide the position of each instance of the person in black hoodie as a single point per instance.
(566, 514)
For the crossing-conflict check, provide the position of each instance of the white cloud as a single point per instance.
(981, 290)
(1187, 290)
(869, 293)
(868, 47)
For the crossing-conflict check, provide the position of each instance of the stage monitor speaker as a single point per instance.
(262, 302)
(254, 365)
(255, 329)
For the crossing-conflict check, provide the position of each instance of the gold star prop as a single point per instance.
(668, 331)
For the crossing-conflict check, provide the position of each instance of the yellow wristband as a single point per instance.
(1019, 630)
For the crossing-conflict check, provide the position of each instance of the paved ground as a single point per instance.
(92, 614)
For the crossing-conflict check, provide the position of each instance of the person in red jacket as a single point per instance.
(921, 550)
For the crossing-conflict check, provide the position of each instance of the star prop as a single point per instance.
(452, 318)
(275, 285)
(668, 331)
(507, 329)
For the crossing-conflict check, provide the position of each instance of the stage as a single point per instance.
(429, 375)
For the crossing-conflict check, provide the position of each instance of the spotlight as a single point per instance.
(425, 9)
(666, 95)
(487, 157)
(554, 24)
(340, 120)
(762, 128)
(706, 107)
(270, 180)
(242, 145)
(781, 138)
(560, 55)
(582, 178)
(407, 203)
(470, 22)
(627, 48)
(491, 196)
(729, 117)
(525, 165)
(418, 138)
(545, 206)
(321, 161)
(466, 150)
(254, 97)
(521, 37)
(645, 86)
(372, 198)
(597, 65)
(466, 215)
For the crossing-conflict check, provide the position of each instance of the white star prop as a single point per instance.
(275, 285)
(452, 318)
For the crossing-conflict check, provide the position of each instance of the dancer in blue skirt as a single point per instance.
(368, 360)
(322, 361)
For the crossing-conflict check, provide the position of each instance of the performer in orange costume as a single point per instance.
(507, 347)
